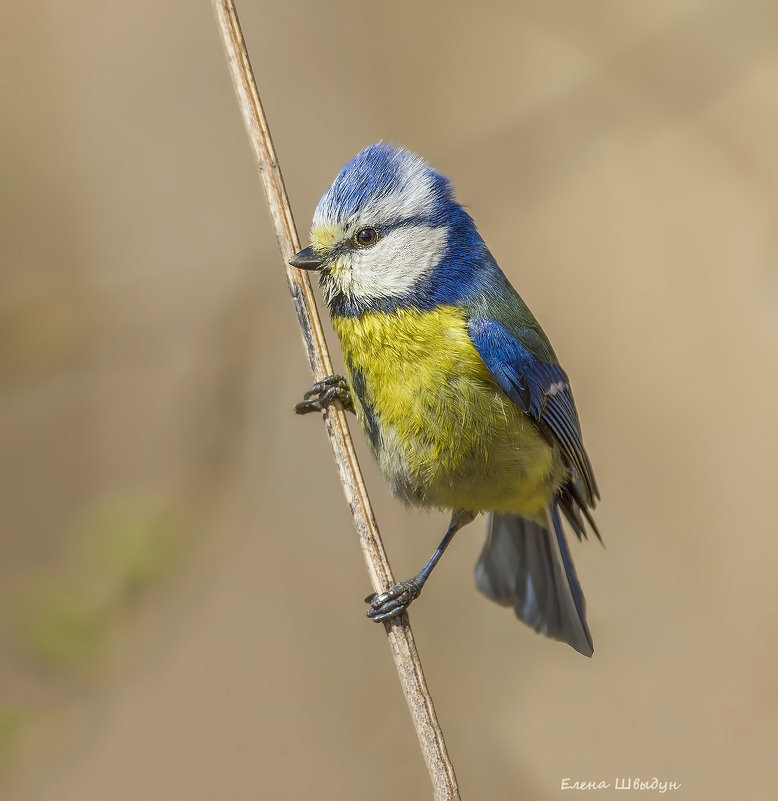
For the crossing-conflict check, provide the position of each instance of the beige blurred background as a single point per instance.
(180, 586)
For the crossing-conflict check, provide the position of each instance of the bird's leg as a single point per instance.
(324, 392)
(397, 599)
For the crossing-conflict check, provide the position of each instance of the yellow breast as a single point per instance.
(442, 431)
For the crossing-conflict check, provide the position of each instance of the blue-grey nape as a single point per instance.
(384, 178)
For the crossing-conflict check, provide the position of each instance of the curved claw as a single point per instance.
(392, 606)
(394, 601)
(323, 393)
(387, 615)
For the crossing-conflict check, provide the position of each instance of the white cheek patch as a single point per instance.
(394, 266)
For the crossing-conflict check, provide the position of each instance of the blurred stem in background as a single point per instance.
(124, 544)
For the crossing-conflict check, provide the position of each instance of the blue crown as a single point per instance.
(378, 171)
(466, 269)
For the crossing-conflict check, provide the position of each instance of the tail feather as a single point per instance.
(526, 566)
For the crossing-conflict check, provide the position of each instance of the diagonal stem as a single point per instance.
(398, 631)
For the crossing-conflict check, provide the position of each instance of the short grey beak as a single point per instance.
(306, 260)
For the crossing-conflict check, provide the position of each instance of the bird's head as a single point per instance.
(382, 228)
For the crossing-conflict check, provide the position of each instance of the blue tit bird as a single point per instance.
(458, 391)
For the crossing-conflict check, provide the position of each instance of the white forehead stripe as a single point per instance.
(416, 198)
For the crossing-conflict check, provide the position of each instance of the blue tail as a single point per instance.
(525, 566)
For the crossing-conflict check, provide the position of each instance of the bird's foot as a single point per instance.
(323, 393)
(395, 600)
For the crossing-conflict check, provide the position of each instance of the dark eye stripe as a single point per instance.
(407, 222)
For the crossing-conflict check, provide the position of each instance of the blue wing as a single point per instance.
(540, 389)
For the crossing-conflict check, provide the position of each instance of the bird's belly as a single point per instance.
(442, 431)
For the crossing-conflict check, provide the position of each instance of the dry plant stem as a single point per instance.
(398, 631)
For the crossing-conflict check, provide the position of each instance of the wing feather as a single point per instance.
(542, 390)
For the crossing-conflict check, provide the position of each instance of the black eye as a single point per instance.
(366, 237)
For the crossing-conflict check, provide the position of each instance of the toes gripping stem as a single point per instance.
(325, 392)
(395, 600)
